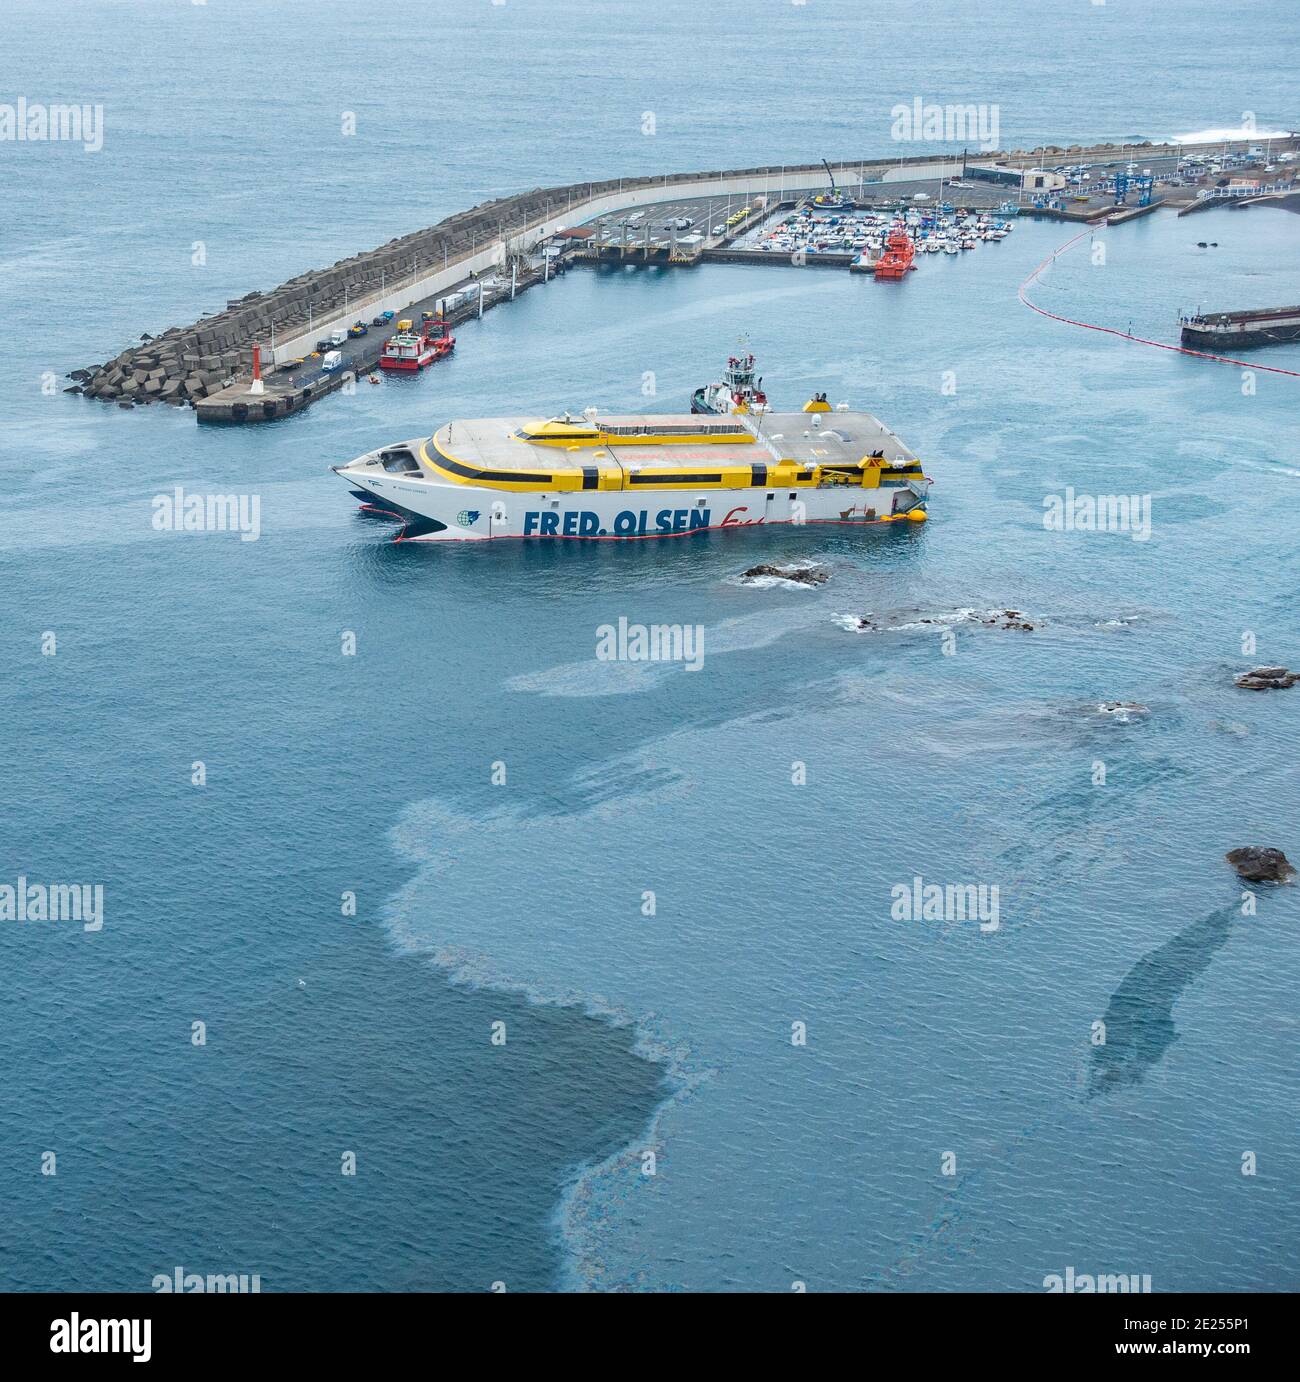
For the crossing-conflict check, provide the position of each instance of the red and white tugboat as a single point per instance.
(736, 392)
(414, 350)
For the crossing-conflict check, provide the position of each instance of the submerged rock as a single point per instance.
(1122, 709)
(801, 575)
(989, 618)
(1234, 727)
(1260, 864)
(1267, 679)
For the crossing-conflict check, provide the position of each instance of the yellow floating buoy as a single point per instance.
(917, 515)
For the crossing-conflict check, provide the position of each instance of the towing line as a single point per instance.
(1128, 335)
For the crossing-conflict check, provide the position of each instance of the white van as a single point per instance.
(338, 338)
(333, 359)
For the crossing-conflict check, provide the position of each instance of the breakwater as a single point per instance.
(184, 365)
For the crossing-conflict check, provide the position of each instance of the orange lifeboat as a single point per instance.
(897, 256)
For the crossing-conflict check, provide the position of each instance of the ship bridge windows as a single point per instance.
(585, 435)
(689, 429)
(399, 462)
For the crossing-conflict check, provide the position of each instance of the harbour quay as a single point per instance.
(476, 259)
(292, 384)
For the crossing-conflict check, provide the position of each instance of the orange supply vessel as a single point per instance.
(897, 258)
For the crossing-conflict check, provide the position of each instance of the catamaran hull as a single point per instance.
(468, 513)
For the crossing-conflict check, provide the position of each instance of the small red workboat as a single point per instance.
(414, 350)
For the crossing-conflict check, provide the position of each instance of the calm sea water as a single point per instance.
(523, 904)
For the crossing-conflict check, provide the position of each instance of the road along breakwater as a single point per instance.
(209, 364)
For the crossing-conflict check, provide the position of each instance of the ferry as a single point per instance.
(601, 476)
(736, 392)
(412, 350)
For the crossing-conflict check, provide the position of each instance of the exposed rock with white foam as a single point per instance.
(1267, 679)
(768, 573)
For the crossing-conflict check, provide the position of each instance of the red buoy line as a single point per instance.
(1127, 336)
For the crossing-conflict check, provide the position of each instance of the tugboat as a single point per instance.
(736, 392)
(411, 351)
(897, 258)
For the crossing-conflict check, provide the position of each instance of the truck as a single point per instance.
(332, 361)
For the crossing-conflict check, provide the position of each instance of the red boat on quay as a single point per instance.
(898, 254)
(413, 350)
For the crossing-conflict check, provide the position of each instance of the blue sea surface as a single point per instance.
(678, 907)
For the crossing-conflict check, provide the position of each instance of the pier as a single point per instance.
(1246, 330)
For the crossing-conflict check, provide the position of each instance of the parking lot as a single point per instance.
(707, 217)
(660, 224)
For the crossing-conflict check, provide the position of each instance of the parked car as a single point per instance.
(377, 321)
(322, 347)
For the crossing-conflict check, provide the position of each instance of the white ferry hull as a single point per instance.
(469, 513)
(632, 477)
